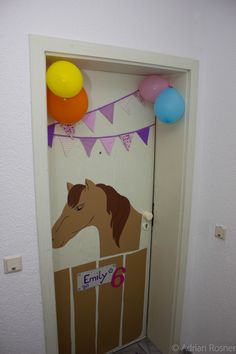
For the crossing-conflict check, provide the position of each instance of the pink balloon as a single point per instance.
(151, 87)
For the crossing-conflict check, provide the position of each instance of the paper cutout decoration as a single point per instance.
(109, 311)
(69, 130)
(124, 223)
(85, 315)
(95, 277)
(129, 296)
(88, 144)
(144, 134)
(107, 141)
(89, 120)
(126, 140)
(125, 104)
(63, 305)
(51, 129)
(139, 97)
(135, 280)
(67, 145)
(108, 112)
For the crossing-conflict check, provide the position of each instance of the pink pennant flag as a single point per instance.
(108, 144)
(69, 129)
(126, 140)
(88, 144)
(89, 119)
(108, 112)
(125, 104)
(144, 134)
(67, 145)
(139, 97)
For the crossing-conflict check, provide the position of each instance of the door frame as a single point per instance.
(116, 58)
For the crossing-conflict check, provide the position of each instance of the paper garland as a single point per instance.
(90, 119)
(107, 141)
(106, 110)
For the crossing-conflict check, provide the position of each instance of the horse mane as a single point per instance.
(74, 195)
(119, 207)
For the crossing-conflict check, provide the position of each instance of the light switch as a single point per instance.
(12, 264)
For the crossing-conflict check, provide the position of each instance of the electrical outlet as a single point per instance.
(220, 232)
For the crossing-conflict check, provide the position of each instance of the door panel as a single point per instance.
(109, 311)
(130, 174)
(134, 296)
(63, 305)
(84, 314)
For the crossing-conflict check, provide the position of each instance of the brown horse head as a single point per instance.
(89, 205)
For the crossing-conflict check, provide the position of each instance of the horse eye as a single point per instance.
(78, 208)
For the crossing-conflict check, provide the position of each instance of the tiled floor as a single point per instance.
(142, 347)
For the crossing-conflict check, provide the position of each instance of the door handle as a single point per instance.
(147, 215)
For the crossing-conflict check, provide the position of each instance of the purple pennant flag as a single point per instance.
(88, 144)
(89, 120)
(144, 134)
(126, 140)
(51, 129)
(108, 144)
(108, 112)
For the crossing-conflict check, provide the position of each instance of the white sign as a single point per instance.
(95, 277)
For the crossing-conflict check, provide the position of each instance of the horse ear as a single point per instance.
(89, 184)
(69, 186)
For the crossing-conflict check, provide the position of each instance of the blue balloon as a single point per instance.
(169, 106)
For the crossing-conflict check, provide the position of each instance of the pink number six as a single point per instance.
(118, 279)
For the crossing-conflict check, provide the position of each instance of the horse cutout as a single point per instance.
(99, 205)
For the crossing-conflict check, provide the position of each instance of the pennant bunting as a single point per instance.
(67, 145)
(89, 120)
(126, 140)
(51, 129)
(139, 97)
(144, 134)
(88, 144)
(108, 112)
(125, 104)
(108, 143)
(69, 129)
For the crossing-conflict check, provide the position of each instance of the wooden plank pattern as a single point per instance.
(62, 290)
(85, 314)
(109, 311)
(134, 296)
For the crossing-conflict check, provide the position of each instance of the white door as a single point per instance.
(104, 316)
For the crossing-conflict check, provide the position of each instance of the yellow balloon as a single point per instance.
(64, 79)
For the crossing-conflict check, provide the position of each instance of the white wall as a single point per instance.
(203, 29)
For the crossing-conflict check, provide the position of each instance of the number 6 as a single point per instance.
(118, 279)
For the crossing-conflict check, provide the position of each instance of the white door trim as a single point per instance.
(113, 57)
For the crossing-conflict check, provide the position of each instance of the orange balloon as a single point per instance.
(67, 110)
